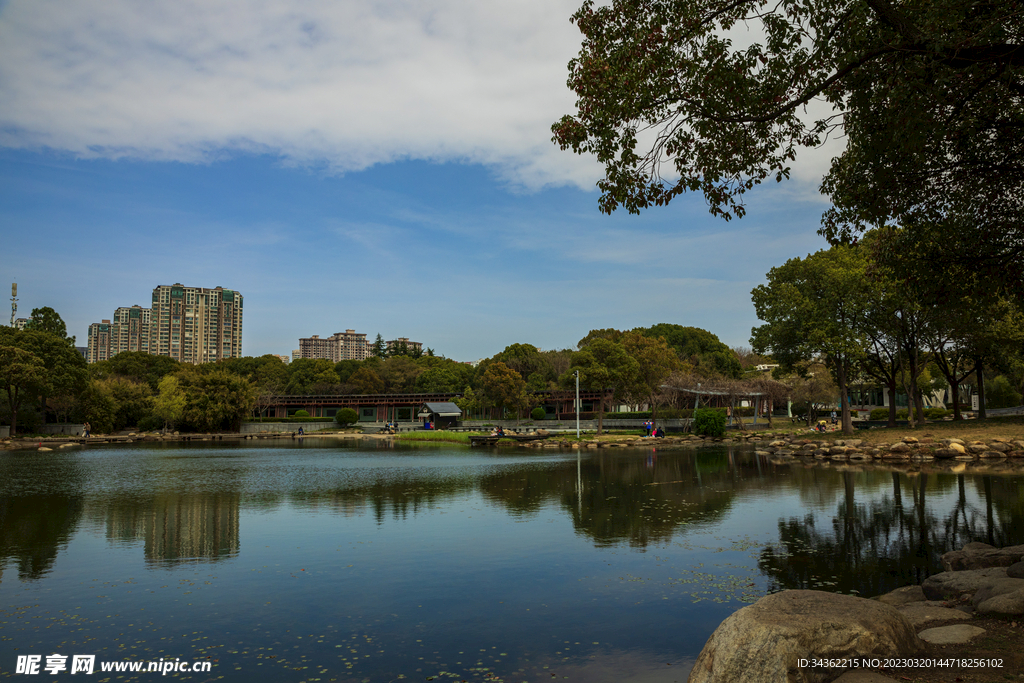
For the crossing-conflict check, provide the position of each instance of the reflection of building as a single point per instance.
(347, 345)
(178, 528)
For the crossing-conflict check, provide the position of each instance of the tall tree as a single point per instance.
(504, 387)
(46, 319)
(655, 361)
(604, 366)
(22, 373)
(927, 94)
(815, 306)
(169, 404)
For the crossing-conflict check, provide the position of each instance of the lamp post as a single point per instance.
(577, 373)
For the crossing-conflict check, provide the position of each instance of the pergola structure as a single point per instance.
(725, 393)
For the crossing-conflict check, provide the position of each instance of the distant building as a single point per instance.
(99, 342)
(283, 359)
(130, 330)
(403, 343)
(347, 345)
(296, 354)
(189, 324)
(21, 322)
(196, 324)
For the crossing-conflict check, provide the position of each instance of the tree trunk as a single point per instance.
(979, 371)
(13, 401)
(892, 403)
(954, 391)
(600, 414)
(844, 401)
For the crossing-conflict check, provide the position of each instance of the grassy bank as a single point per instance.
(441, 436)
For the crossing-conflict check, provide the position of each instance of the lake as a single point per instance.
(334, 560)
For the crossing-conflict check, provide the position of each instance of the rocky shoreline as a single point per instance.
(931, 632)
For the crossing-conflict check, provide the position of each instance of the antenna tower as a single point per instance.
(14, 301)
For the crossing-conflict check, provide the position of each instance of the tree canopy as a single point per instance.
(815, 306)
(709, 96)
(46, 319)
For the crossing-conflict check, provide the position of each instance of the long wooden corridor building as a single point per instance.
(403, 407)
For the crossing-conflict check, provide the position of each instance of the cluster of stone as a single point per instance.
(909, 448)
(779, 637)
(679, 441)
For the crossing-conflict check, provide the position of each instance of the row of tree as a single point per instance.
(850, 310)
(40, 369)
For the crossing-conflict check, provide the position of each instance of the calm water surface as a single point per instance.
(327, 560)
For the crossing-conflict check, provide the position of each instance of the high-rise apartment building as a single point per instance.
(196, 324)
(99, 342)
(189, 324)
(347, 345)
(130, 330)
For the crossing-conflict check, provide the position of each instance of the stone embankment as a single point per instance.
(951, 454)
(811, 636)
(757, 439)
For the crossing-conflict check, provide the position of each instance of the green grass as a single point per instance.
(440, 435)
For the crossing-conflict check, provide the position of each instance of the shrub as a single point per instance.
(346, 416)
(1001, 394)
(709, 422)
(879, 414)
(150, 424)
(537, 413)
(301, 413)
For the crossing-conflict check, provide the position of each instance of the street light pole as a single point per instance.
(577, 373)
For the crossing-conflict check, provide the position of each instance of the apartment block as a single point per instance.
(99, 342)
(347, 345)
(130, 330)
(196, 324)
(410, 347)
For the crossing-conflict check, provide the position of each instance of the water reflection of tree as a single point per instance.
(635, 497)
(34, 526)
(893, 540)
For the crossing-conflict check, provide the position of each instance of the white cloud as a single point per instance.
(340, 84)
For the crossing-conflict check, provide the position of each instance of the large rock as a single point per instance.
(764, 642)
(958, 585)
(951, 635)
(902, 596)
(921, 613)
(1002, 597)
(981, 556)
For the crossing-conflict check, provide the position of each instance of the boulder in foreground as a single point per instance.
(764, 643)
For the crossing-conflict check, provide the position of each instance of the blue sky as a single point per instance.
(381, 166)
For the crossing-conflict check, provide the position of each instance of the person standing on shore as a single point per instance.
(85, 429)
